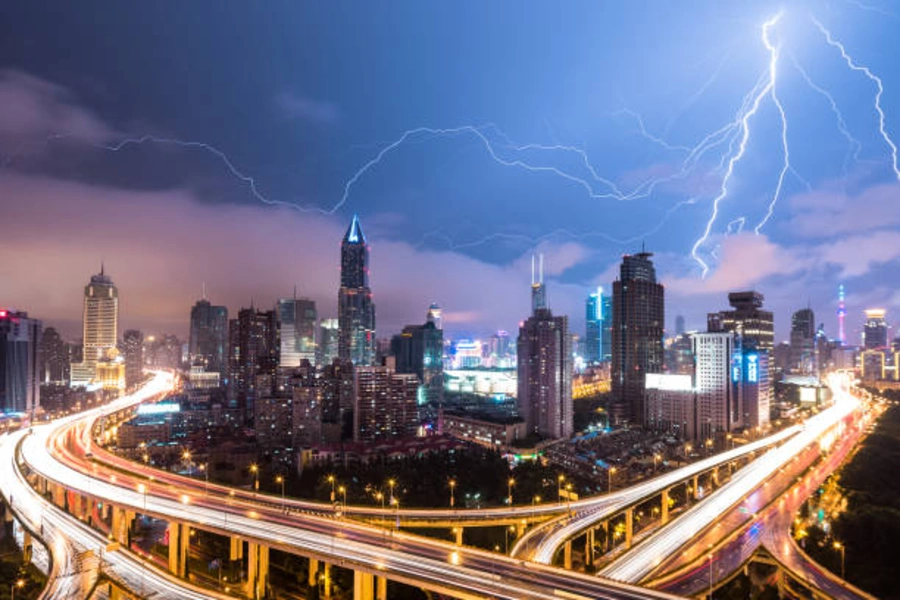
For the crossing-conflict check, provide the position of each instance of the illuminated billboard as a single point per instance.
(668, 382)
(736, 365)
(751, 360)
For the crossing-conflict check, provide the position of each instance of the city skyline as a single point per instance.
(164, 211)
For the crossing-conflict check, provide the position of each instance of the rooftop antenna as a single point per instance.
(532, 268)
(102, 268)
(541, 268)
(204, 291)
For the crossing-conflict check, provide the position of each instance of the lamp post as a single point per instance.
(280, 480)
(509, 487)
(343, 491)
(656, 458)
(452, 484)
(254, 468)
(380, 496)
(391, 484)
(142, 489)
(203, 467)
(609, 473)
(509, 529)
(20, 583)
(559, 482)
(331, 481)
(840, 547)
(534, 503)
(186, 455)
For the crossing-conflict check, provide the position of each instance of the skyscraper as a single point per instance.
(133, 350)
(54, 358)
(717, 388)
(208, 345)
(545, 371)
(435, 315)
(101, 319)
(755, 325)
(20, 385)
(638, 317)
(875, 332)
(253, 356)
(598, 317)
(419, 349)
(297, 327)
(327, 348)
(803, 342)
(356, 311)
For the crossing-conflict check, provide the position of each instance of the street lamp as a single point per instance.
(254, 468)
(559, 482)
(452, 484)
(656, 458)
(510, 529)
(709, 444)
(839, 546)
(20, 583)
(343, 492)
(534, 502)
(186, 455)
(391, 484)
(203, 468)
(280, 480)
(509, 487)
(331, 481)
(609, 473)
(380, 496)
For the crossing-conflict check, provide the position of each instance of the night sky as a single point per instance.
(466, 135)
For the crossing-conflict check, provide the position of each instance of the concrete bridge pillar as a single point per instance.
(179, 538)
(236, 548)
(567, 555)
(363, 586)
(27, 544)
(605, 525)
(664, 507)
(696, 484)
(59, 495)
(714, 476)
(589, 548)
(257, 570)
(326, 580)
(629, 527)
(312, 574)
(381, 588)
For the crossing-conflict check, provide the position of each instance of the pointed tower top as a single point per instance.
(102, 268)
(204, 292)
(354, 233)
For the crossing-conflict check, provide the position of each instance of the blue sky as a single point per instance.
(301, 97)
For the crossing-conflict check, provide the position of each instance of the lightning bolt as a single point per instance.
(761, 90)
(774, 54)
(855, 146)
(854, 66)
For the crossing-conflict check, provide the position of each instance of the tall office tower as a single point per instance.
(875, 332)
(755, 326)
(419, 349)
(386, 407)
(841, 314)
(20, 381)
(327, 348)
(435, 315)
(133, 350)
(253, 356)
(606, 334)
(297, 322)
(208, 345)
(593, 335)
(545, 368)
(538, 291)
(101, 318)
(638, 321)
(54, 358)
(756, 389)
(803, 342)
(356, 312)
(716, 386)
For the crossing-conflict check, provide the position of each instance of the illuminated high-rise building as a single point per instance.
(803, 342)
(327, 347)
(545, 372)
(435, 315)
(54, 358)
(717, 388)
(638, 318)
(208, 345)
(253, 356)
(419, 349)
(101, 319)
(297, 319)
(385, 405)
(598, 331)
(538, 291)
(875, 332)
(356, 311)
(133, 353)
(20, 384)
(755, 325)
(841, 314)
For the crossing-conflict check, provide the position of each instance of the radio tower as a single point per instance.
(841, 313)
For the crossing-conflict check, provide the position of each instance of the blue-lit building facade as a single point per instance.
(356, 311)
(598, 331)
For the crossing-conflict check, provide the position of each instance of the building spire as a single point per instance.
(203, 297)
(354, 233)
(102, 268)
